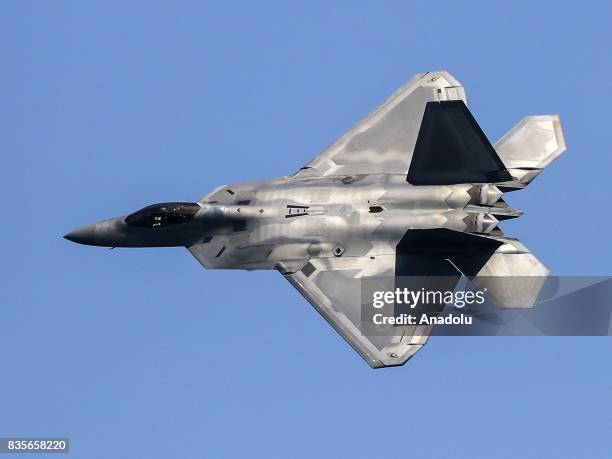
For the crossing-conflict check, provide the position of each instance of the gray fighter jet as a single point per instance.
(414, 189)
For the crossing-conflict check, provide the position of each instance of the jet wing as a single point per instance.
(384, 142)
(333, 287)
(340, 288)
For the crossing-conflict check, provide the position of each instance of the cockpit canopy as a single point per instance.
(164, 214)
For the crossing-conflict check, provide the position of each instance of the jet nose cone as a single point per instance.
(82, 235)
(107, 233)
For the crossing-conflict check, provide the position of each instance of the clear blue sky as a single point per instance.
(109, 106)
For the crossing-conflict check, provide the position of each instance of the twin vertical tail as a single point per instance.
(451, 149)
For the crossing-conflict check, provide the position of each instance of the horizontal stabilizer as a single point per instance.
(530, 146)
(513, 277)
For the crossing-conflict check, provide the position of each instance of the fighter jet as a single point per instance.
(413, 189)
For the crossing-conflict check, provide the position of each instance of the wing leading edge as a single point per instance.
(384, 141)
(333, 287)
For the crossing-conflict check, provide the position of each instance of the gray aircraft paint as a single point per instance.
(340, 217)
